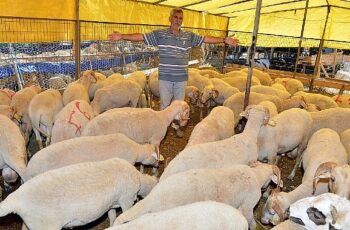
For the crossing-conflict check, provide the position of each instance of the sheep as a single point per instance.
(235, 102)
(13, 151)
(292, 85)
(218, 125)
(238, 186)
(210, 73)
(270, 91)
(263, 77)
(96, 85)
(345, 140)
(7, 111)
(6, 96)
(342, 100)
(79, 90)
(90, 148)
(324, 212)
(270, 106)
(204, 85)
(334, 118)
(241, 82)
(319, 150)
(42, 111)
(238, 149)
(288, 225)
(71, 120)
(140, 78)
(140, 125)
(312, 108)
(291, 130)
(77, 194)
(338, 177)
(205, 215)
(224, 89)
(323, 102)
(236, 74)
(278, 86)
(116, 95)
(20, 103)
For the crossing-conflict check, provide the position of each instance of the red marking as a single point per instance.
(338, 101)
(8, 93)
(85, 114)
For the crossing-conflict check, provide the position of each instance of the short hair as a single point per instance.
(176, 10)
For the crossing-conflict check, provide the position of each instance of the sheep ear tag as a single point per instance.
(161, 157)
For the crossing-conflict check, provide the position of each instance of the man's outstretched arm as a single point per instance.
(116, 36)
(231, 41)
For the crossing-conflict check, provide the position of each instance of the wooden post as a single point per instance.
(76, 42)
(252, 53)
(225, 49)
(301, 38)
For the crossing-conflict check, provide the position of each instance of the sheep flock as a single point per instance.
(101, 155)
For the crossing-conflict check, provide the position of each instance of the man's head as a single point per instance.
(175, 18)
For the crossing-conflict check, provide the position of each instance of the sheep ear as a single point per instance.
(275, 180)
(215, 93)
(334, 214)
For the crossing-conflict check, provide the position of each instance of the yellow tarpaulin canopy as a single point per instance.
(280, 20)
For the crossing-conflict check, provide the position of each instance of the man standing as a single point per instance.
(174, 45)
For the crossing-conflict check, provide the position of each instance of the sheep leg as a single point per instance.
(277, 159)
(142, 168)
(299, 154)
(247, 212)
(112, 215)
(38, 138)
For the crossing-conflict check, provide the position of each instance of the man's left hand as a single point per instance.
(231, 41)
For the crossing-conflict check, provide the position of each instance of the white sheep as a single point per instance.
(13, 155)
(42, 111)
(236, 102)
(96, 85)
(270, 106)
(240, 82)
(139, 77)
(71, 120)
(342, 100)
(77, 194)
(79, 89)
(20, 103)
(322, 101)
(7, 111)
(204, 85)
(270, 91)
(224, 89)
(205, 215)
(236, 73)
(279, 86)
(218, 125)
(291, 130)
(292, 85)
(263, 77)
(140, 125)
(323, 146)
(238, 186)
(6, 96)
(324, 212)
(338, 178)
(92, 148)
(345, 140)
(116, 95)
(210, 73)
(238, 149)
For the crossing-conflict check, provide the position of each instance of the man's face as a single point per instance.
(176, 20)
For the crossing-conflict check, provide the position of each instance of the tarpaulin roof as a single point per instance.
(280, 20)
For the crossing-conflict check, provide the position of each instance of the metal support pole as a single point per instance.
(319, 54)
(301, 38)
(225, 49)
(76, 42)
(252, 52)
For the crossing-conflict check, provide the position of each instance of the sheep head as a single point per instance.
(209, 92)
(88, 76)
(326, 211)
(275, 208)
(192, 93)
(274, 172)
(257, 109)
(338, 176)
(182, 111)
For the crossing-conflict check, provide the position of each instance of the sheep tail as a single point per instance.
(131, 214)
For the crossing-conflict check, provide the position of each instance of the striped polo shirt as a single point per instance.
(173, 52)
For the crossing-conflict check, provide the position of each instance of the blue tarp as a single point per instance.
(69, 67)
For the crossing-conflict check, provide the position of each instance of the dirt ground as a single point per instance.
(170, 147)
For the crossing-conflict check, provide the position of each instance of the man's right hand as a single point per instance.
(115, 36)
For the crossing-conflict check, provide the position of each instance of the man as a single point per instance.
(174, 45)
